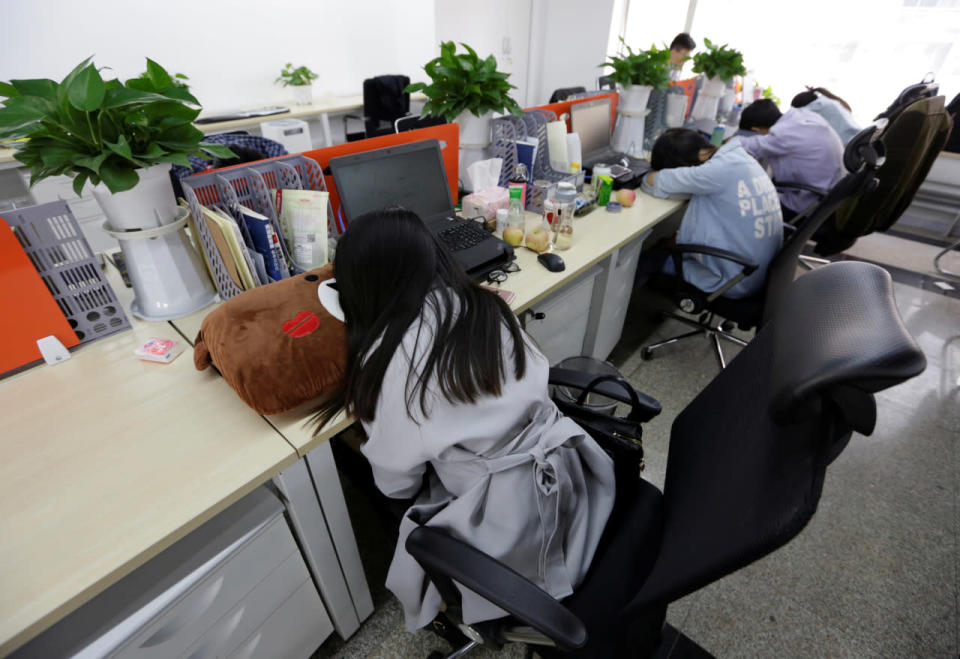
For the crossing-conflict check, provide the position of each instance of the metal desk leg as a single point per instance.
(325, 123)
(326, 482)
(314, 538)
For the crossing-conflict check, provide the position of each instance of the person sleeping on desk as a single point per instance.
(733, 206)
(453, 397)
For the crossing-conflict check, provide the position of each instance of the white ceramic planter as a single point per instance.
(149, 204)
(705, 107)
(676, 110)
(474, 131)
(713, 87)
(631, 110)
(302, 94)
(168, 276)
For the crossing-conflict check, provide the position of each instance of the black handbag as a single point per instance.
(621, 437)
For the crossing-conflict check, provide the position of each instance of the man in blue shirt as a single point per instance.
(733, 206)
(800, 147)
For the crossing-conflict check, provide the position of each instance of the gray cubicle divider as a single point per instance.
(249, 185)
(507, 131)
(55, 244)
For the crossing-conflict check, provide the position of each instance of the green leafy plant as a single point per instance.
(646, 67)
(464, 82)
(719, 62)
(96, 130)
(300, 76)
(768, 93)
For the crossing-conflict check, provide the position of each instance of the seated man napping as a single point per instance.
(733, 206)
(800, 147)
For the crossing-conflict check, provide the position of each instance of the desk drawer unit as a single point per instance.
(290, 632)
(611, 300)
(199, 598)
(561, 330)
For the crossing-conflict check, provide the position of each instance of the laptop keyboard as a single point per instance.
(463, 235)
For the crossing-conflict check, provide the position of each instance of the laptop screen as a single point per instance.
(411, 176)
(592, 121)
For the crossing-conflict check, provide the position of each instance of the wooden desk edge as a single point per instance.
(33, 629)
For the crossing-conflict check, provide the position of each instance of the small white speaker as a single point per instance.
(293, 134)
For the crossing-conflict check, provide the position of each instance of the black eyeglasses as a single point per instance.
(496, 277)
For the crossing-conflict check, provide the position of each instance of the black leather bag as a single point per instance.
(621, 437)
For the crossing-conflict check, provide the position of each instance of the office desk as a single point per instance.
(322, 107)
(105, 461)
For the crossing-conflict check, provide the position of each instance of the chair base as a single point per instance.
(708, 325)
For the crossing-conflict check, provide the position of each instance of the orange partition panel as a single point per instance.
(29, 310)
(447, 134)
(563, 107)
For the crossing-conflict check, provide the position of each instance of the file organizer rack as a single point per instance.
(249, 185)
(55, 244)
(506, 132)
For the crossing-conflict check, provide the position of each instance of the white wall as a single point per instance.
(492, 27)
(232, 51)
(568, 42)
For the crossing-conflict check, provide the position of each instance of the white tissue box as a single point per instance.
(485, 203)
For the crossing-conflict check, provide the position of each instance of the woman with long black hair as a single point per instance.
(453, 398)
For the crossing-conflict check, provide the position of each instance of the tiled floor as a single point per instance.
(875, 573)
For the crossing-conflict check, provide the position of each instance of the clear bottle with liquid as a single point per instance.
(514, 231)
(566, 199)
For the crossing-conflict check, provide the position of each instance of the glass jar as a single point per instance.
(565, 205)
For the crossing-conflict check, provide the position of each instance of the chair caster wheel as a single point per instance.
(646, 354)
(726, 326)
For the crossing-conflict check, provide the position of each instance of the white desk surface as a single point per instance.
(595, 237)
(328, 105)
(105, 461)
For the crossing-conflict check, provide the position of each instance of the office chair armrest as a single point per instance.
(800, 186)
(645, 406)
(444, 557)
(749, 265)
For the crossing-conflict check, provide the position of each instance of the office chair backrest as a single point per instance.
(413, 122)
(912, 140)
(565, 93)
(953, 142)
(862, 155)
(384, 101)
(606, 82)
(910, 95)
(748, 455)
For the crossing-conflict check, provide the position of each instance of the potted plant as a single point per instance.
(467, 90)
(638, 73)
(301, 79)
(120, 137)
(718, 64)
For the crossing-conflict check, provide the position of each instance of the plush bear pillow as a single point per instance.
(276, 345)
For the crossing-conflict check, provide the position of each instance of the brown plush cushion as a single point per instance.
(275, 345)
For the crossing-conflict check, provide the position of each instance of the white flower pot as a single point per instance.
(713, 87)
(726, 101)
(631, 110)
(148, 204)
(705, 107)
(474, 130)
(303, 94)
(168, 276)
(676, 110)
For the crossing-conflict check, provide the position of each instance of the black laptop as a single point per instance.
(412, 176)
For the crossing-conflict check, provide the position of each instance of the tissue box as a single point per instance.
(485, 203)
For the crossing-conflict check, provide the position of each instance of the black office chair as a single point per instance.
(606, 82)
(717, 312)
(745, 470)
(411, 122)
(565, 93)
(384, 101)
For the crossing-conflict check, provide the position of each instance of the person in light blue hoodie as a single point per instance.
(733, 206)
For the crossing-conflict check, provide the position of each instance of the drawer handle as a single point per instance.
(189, 611)
(247, 651)
(214, 644)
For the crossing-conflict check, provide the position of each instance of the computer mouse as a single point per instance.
(552, 262)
